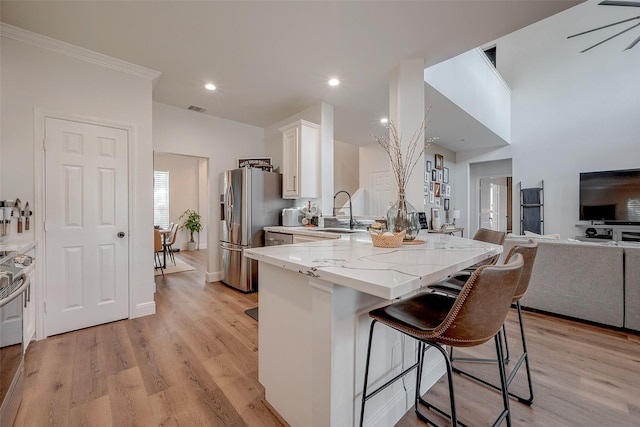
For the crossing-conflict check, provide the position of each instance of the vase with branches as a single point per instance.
(402, 215)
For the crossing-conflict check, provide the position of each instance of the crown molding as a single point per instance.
(68, 49)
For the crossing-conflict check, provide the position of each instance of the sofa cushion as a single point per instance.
(584, 281)
(632, 288)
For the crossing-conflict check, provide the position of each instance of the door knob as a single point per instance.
(121, 234)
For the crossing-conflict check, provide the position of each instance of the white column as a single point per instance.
(326, 155)
(407, 109)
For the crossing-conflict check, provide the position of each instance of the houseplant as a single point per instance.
(192, 223)
(402, 216)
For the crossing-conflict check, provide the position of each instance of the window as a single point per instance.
(161, 199)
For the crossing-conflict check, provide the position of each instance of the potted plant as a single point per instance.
(192, 223)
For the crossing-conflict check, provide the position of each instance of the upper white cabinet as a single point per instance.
(300, 160)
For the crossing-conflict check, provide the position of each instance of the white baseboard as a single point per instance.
(212, 277)
(144, 309)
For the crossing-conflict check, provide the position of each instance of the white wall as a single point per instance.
(572, 112)
(184, 189)
(221, 141)
(346, 167)
(471, 82)
(36, 79)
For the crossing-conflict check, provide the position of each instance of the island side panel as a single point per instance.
(285, 350)
(313, 342)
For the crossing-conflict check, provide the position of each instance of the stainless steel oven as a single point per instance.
(13, 287)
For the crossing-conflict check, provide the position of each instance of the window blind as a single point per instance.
(161, 199)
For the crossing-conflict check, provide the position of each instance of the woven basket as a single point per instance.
(381, 241)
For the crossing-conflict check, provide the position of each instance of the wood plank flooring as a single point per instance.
(195, 363)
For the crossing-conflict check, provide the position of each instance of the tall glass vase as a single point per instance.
(403, 216)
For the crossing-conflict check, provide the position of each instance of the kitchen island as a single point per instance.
(313, 329)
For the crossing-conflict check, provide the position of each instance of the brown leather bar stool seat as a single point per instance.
(435, 320)
(454, 285)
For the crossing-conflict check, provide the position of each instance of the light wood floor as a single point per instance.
(195, 363)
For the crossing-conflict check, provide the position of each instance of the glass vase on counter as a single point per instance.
(403, 216)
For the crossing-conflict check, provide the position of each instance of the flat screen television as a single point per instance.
(610, 196)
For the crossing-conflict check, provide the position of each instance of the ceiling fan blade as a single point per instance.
(604, 26)
(613, 36)
(620, 3)
(633, 43)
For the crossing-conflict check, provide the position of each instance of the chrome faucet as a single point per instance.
(351, 222)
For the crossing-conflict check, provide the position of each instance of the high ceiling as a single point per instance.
(272, 59)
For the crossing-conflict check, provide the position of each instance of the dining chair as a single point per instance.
(158, 249)
(436, 320)
(168, 246)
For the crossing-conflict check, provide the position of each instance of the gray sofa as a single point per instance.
(632, 288)
(585, 281)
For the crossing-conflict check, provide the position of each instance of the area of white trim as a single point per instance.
(44, 42)
(212, 277)
(144, 309)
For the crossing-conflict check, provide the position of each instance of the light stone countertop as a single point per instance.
(386, 273)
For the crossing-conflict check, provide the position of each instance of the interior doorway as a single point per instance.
(494, 198)
(490, 196)
(188, 180)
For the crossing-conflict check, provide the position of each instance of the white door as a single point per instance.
(86, 214)
(493, 203)
(380, 193)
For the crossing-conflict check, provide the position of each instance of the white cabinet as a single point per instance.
(299, 238)
(300, 160)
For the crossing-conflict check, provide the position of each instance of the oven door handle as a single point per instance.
(13, 295)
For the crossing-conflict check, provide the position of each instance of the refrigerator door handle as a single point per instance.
(229, 203)
(229, 248)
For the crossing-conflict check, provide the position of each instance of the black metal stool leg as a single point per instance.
(506, 343)
(506, 413)
(366, 373)
(525, 355)
(452, 415)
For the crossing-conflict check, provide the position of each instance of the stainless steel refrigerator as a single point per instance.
(251, 199)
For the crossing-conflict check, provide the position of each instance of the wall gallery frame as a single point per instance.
(439, 161)
(445, 175)
(436, 189)
(434, 174)
(428, 165)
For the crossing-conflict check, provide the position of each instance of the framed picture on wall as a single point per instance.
(431, 186)
(440, 176)
(428, 168)
(436, 189)
(426, 177)
(434, 175)
(426, 189)
(439, 161)
(437, 202)
(446, 204)
(431, 197)
(445, 175)
(447, 191)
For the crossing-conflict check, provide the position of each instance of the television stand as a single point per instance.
(614, 232)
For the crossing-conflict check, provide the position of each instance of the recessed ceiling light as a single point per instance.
(334, 82)
(384, 120)
(210, 86)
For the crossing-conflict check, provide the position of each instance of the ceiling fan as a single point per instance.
(614, 3)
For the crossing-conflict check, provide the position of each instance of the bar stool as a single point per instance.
(435, 320)
(454, 285)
